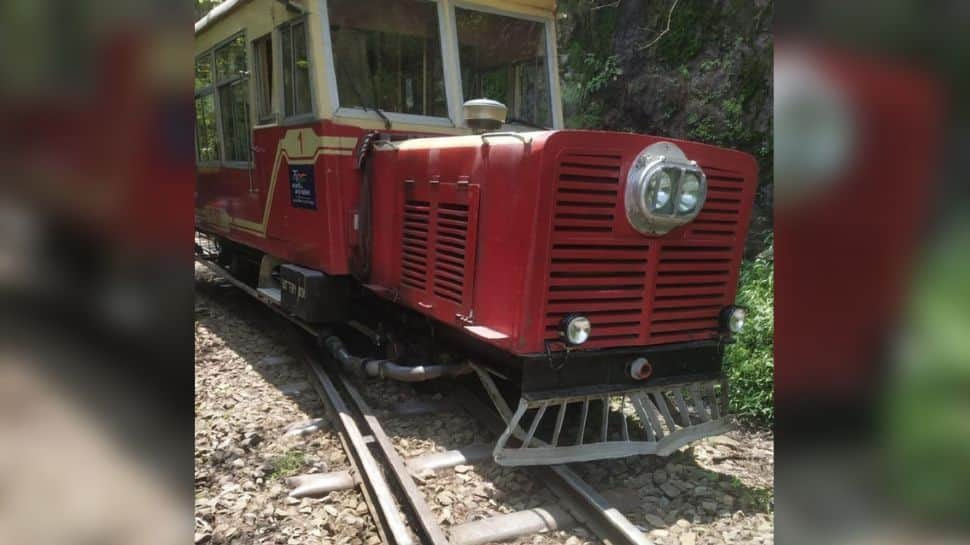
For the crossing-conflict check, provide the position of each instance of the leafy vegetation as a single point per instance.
(690, 20)
(750, 360)
(759, 499)
(579, 91)
(927, 410)
(589, 62)
(287, 464)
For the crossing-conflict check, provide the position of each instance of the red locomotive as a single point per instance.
(345, 180)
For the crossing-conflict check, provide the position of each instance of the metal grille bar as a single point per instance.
(653, 426)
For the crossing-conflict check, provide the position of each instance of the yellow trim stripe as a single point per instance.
(298, 147)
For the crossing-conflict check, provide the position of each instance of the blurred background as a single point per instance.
(96, 184)
(873, 275)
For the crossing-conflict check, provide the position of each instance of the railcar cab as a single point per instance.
(410, 64)
(286, 89)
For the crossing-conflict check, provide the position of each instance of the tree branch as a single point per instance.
(670, 16)
(608, 5)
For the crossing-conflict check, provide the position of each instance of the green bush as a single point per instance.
(924, 424)
(750, 361)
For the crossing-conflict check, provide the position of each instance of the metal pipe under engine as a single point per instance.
(376, 368)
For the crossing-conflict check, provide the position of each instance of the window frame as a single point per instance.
(198, 157)
(325, 102)
(229, 82)
(214, 88)
(452, 68)
(338, 111)
(304, 117)
(552, 64)
(272, 118)
(209, 89)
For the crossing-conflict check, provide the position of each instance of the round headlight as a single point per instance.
(690, 193)
(660, 189)
(576, 329)
(733, 319)
(664, 189)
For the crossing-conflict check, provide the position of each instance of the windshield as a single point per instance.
(504, 59)
(387, 55)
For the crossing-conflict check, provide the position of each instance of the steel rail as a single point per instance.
(375, 486)
(580, 499)
(425, 517)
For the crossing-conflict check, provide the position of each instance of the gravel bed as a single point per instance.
(250, 392)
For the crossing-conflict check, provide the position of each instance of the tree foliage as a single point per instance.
(750, 362)
(203, 7)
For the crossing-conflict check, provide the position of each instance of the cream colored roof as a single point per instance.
(228, 6)
(217, 13)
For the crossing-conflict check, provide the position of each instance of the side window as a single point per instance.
(206, 137)
(513, 71)
(296, 70)
(263, 61)
(231, 79)
(388, 55)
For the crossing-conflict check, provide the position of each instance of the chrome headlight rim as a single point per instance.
(654, 161)
(583, 325)
(732, 319)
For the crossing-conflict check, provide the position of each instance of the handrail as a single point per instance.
(527, 140)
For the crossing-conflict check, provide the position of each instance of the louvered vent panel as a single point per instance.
(639, 292)
(586, 195)
(439, 233)
(691, 288)
(719, 217)
(414, 254)
(604, 281)
(451, 237)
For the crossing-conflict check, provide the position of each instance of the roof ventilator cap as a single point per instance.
(484, 114)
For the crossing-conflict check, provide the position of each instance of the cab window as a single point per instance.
(296, 69)
(233, 97)
(387, 55)
(206, 137)
(504, 58)
(263, 64)
(222, 103)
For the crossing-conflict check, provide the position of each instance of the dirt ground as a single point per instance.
(250, 392)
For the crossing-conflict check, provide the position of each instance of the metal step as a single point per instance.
(273, 294)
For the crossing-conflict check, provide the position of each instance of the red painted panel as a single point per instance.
(438, 247)
(314, 238)
(514, 235)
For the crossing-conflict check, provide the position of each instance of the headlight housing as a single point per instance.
(732, 319)
(575, 329)
(664, 190)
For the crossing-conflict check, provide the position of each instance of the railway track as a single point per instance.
(386, 479)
